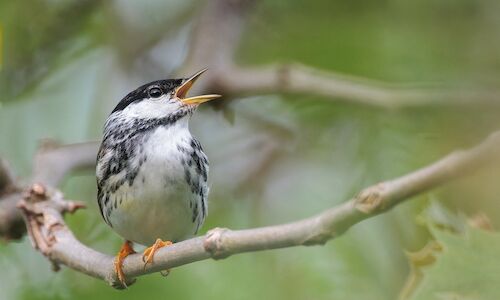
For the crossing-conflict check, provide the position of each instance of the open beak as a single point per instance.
(182, 91)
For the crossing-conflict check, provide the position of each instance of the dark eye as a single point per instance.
(155, 92)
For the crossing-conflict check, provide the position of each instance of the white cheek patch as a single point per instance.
(152, 108)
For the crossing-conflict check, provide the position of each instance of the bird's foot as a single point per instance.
(125, 251)
(148, 254)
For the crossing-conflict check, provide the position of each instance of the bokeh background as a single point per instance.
(274, 157)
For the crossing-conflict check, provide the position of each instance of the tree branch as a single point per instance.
(300, 79)
(52, 162)
(6, 177)
(11, 221)
(215, 40)
(216, 34)
(43, 208)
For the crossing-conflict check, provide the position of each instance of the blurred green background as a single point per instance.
(285, 157)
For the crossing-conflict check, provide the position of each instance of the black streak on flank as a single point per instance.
(141, 92)
(195, 212)
(203, 194)
(187, 174)
(199, 159)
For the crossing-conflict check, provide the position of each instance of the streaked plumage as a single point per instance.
(151, 173)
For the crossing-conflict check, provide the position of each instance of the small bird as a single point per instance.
(151, 172)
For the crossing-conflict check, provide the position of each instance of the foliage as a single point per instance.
(458, 264)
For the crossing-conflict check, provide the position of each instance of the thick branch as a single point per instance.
(51, 163)
(64, 248)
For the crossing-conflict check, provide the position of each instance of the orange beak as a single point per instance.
(182, 91)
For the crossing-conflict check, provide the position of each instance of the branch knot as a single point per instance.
(42, 210)
(370, 200)
(214, 243)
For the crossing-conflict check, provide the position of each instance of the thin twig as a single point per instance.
(296, 78)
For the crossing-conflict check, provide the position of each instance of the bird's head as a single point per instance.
(162, 99)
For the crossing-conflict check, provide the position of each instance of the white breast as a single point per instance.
(159, 203)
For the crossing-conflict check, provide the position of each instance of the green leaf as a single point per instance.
(457, 265)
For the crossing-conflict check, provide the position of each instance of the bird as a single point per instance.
(151, 172)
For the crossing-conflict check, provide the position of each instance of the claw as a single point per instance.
(147, 256)
(125, 251)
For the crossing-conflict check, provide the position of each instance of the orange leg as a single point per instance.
(125, 251)
(148, 254)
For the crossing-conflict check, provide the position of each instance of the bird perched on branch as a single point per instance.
(151, 173)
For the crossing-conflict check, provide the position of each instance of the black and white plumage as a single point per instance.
(151, 173)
